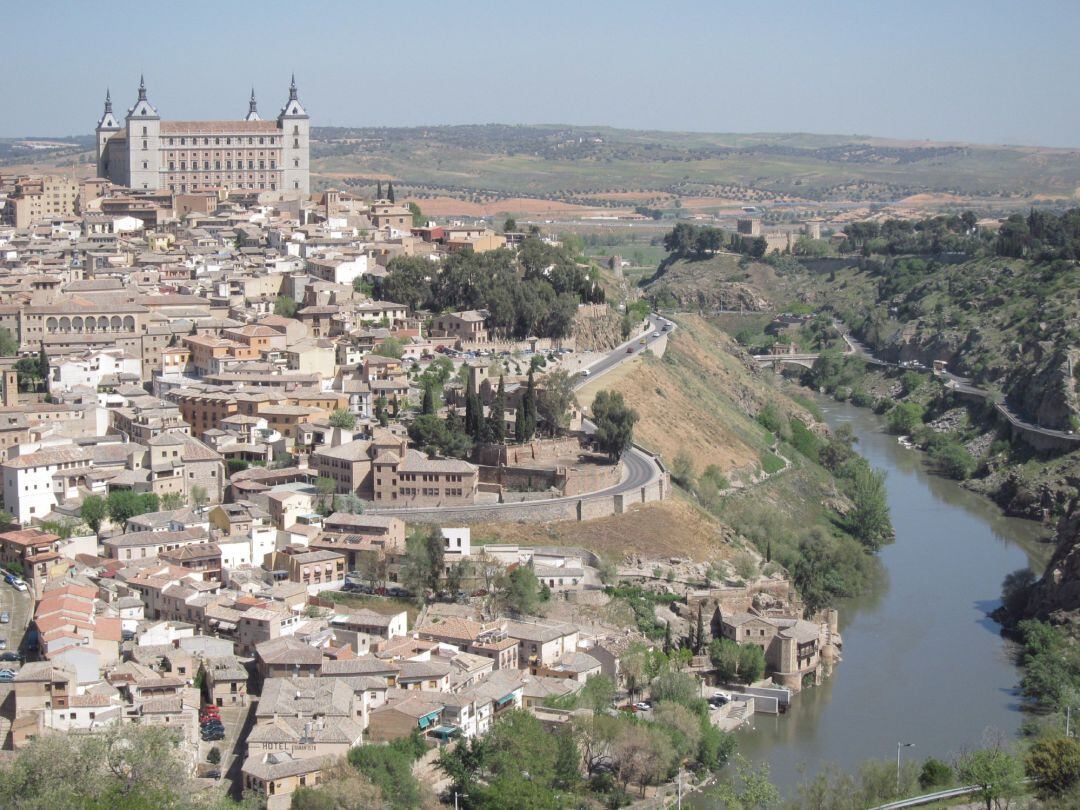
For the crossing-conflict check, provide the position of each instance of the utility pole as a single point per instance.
(462, 795)
(679, 806)
(900, 745)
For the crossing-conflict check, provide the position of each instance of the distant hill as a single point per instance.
(602, 167)
(606, 167)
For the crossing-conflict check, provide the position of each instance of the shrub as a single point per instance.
(905, 417)
(935, 774)
(771, 463)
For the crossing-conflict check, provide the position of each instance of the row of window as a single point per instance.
(263, 139)
(217, 165)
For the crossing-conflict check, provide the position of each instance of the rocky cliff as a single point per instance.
(597, 328)
(1056, 595)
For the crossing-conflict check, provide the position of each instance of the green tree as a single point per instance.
(381, 415)
(676, 687)
(325, 487)
(1054, 766)
(344, 419)
(93, 512)
(510, 225)
(554, 401)
(391, 347)
(171, 500)
(496, 425)
(390, 769)
(285, 306)
(869, 520)
(935, 775)
(724, 655)
(529, 405)
(997, 773)
(390, 191)
(417, 214)
(341, 787)
(751, 663)
(905, 417)
(8, 345)
(123, 504)
(522, 590)
(597, 694)
(199, 497)
(614, 421)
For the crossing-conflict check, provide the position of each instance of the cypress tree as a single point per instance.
(699, 634)
(470, 417)
(427, 407)
(496, 426)
(378, 190)
(519, 424)
(453, 420)
(43, 362)
(529, 404)
(390, 191)
(667, 639)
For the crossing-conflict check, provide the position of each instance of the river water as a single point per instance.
(922, 662)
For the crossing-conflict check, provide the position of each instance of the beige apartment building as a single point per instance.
(38, 199)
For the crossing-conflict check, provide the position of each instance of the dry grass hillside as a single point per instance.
(700, 399)
(672, 528)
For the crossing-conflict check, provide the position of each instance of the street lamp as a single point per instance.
(900, 745)
(456, 795)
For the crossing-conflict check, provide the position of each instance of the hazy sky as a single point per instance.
(978, 70)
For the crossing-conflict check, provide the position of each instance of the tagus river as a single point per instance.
(922, 663)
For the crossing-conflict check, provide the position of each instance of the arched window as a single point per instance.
(102, 323)
(65, 324)
(77, 324)
(50, 324)
(129, 323)
(115, 323)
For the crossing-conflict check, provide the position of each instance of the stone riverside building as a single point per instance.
(145, 152)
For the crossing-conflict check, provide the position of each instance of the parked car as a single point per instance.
(7, 675)
(10, 655)
(215, 774)
(656, 334)
(5, 617)
(3, 643)
(642, 706)
(667, 326)
(397, 592)
(629, 349)
(213, 736)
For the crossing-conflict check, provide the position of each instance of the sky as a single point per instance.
(982, 71)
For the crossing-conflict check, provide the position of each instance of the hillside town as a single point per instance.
(238, 484)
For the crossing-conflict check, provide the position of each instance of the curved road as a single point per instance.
(639, 468)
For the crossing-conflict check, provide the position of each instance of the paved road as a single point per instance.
(639, 468)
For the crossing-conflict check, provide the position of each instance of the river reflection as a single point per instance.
(922, 661)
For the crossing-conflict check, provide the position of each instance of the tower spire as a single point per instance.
(253, 110)
(142, 88)
(108, 100)
(292, 88)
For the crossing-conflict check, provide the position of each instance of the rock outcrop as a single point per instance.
(1056, 596)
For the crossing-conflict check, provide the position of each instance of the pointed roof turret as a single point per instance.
(108, 120)
(253, 110)
(293, 108)
(143, 108)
